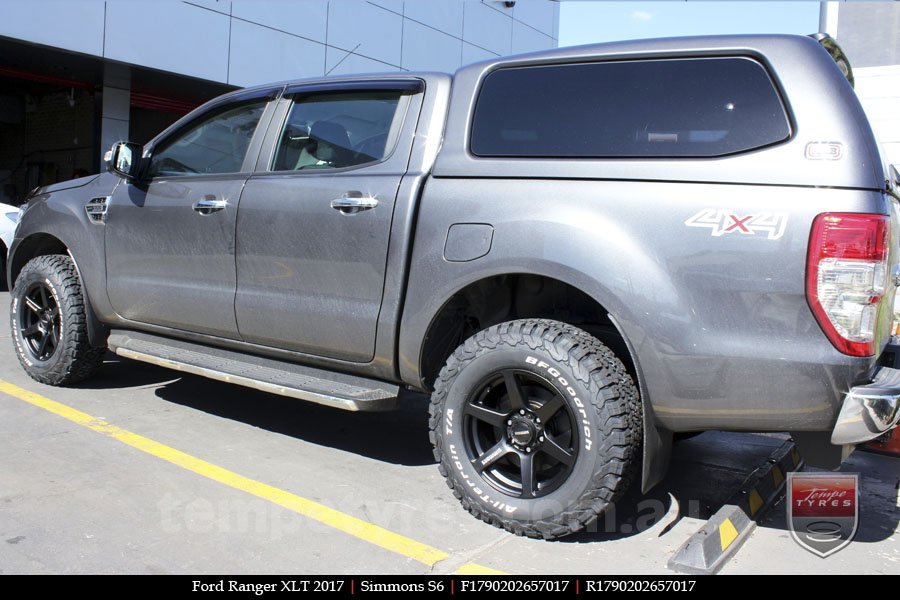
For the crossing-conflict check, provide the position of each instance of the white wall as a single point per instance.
(878, 89)
(256, 41)
(71, 24)
(181, 38)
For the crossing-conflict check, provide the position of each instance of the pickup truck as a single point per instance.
(577, 253)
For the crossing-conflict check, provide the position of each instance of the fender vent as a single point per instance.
(96, 209)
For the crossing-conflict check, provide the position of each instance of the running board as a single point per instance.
(337, 390)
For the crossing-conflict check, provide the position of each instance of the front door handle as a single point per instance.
(209, 204)
(350, 205)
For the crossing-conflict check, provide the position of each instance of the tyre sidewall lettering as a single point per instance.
(581, 411)
(478, 486)
(448, 422)
(16, 334)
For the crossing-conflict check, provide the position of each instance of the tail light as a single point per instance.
(846, 270)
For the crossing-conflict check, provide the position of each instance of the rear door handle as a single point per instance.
(209, 204)
(350, 205)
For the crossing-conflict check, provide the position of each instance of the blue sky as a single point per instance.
(587, 22)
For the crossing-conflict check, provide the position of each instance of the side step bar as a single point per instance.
(268, 375)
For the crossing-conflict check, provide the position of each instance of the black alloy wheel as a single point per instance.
(48, 322)
(537, 427)
(39, 321)
(520, 434)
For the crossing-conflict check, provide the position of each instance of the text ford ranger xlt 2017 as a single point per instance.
(576, 252)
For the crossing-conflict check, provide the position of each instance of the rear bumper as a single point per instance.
(869, 410)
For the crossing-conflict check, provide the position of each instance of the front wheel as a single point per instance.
(3, 252)
(537, 427)
(48, 322)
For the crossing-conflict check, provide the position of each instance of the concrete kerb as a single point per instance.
(722, 535)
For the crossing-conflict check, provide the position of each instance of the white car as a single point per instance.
(9, 215)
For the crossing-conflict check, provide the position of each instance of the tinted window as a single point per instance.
(334, 130)
(683, 107)
(217, 143)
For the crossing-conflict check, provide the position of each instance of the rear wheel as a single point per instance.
(48, 323)
(537, 427)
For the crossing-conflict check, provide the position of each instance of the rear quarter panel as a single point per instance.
(719, 324)
(715, 314)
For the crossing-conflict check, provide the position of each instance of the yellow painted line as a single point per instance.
(474, 569)
(777, 476)
(756, 502)
(358, 528)
(727, 533)
(795, 456)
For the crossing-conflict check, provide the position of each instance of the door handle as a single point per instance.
(350, 205)
(209, 204)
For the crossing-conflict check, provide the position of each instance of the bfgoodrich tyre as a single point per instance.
(537, 427)
(48, 322)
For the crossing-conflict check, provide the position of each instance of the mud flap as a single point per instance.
(818, 451)
(657, 451)
(657, 441)
(96, 330)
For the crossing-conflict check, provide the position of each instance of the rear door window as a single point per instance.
(693, 107)
(337, 130)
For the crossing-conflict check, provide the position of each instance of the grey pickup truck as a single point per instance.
(577, 253)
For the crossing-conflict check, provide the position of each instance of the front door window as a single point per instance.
(216, 144)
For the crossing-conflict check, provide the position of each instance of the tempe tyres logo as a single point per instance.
(823, 510)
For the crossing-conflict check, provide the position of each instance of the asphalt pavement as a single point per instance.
(146, 470)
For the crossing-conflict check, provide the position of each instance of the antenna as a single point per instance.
(343, 59)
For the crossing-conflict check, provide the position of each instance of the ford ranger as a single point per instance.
(576, 252)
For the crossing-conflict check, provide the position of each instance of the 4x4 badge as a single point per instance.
(724, 221)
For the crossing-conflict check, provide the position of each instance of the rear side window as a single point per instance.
(335, 130)
(698, 107)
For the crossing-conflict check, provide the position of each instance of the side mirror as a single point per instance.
(124, 159)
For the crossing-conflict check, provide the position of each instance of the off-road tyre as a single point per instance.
(596, 390)
(47, 301)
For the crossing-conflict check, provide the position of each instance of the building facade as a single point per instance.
(869, 33)
(78, 75)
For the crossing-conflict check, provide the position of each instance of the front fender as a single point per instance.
(56, 222)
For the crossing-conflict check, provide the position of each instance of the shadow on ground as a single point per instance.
(705, 472)
(396, 437)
